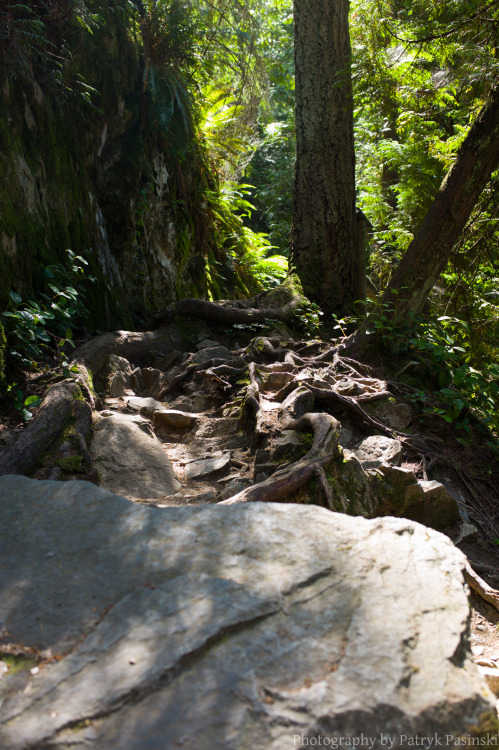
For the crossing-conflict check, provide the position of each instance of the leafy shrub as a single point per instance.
(37, 328)
(442, 343)
(3, 347)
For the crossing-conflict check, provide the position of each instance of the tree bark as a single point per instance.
(323, 237)
(430, 250)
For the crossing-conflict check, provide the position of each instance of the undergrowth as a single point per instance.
(39, 333)
(449, 384)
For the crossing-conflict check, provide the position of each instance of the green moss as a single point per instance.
(285, 293)
(72, 464)
(17, 663)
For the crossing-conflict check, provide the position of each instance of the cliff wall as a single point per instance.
(99, 180)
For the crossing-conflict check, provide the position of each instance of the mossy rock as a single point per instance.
(290, 291)
(72, 464)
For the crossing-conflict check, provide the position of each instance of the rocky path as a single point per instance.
(196, 415)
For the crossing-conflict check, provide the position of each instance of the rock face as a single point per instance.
(250, 626)
(130, 460)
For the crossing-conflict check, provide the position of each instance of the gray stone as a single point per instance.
(347, 434)
(131, 462)
(217, 427)
(261, 472)
(229, 627)
(120, 380)
(182, 404)
(232, 489)
(200, 403)
(260, 476)
(398, 476)
(207, 344)
(440, 508)
(378, 449)
(6, 437)
(352, 491)
(347, 387)
(151, 381)
(206, 467)
(214, 352)
(172, 420)
(467, 533)
(144, 405)
(164, 363)
(395, 414)
(205, 497)
(399, 494)
(274, 381)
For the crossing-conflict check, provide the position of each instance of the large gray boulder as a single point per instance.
(130, 459)
(250, 626)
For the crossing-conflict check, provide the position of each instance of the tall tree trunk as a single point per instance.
(430, 250)
(323, 234)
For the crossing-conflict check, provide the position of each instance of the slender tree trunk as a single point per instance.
(323, 234)
(430, 250)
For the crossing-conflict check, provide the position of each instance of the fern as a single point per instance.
(22, 38)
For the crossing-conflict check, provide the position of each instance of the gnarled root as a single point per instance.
(482, 588)
(283, 483)
(62, 403)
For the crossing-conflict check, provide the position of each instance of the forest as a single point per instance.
(218, 92)
(249, 297)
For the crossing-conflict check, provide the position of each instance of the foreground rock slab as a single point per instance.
(228, 627)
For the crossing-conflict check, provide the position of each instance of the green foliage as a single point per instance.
(3, 347)
(21, 403)
(248, 253)
(441, 344)
(169, 31)
(23, 38)
(307, 318)
(421, 73)
(37, 328)
(272, 167)
(38, 39)
(463, 390)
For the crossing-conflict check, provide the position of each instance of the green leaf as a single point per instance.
(32, 401)
(16, 298)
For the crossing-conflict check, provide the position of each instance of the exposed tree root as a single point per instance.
(62, 404)
(482, 588)
(285, 482)
(351, 405)
(265, 358)
(227, 314)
